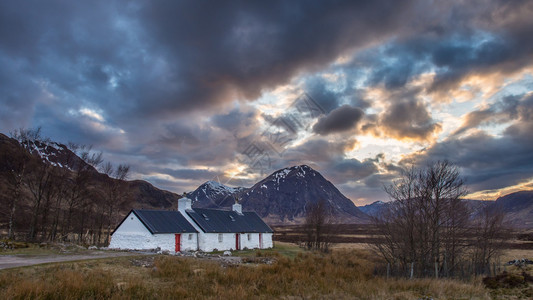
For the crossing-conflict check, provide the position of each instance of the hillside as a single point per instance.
(518, 208)
(48, 192)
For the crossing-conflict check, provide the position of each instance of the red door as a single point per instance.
(237, 241)
(178, 242)
(260, 241)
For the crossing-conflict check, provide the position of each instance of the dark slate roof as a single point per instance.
(163, 221)
(223, 221)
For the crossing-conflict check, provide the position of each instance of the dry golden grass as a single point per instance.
(344, 274)
(510, 254)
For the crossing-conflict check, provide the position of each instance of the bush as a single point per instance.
(505, 280)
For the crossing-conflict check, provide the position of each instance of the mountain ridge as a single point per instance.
(289, 192)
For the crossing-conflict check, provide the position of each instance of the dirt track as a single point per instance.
(14, 261)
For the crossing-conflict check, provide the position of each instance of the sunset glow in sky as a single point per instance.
(180, 90)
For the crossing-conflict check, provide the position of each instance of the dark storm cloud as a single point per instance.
(408, 118)
(156, 72)
(246, 47)
(340, 119)
(330, 96)
(190, 143)
(326, 98)
(147, 62)
(487, 161)
(317, 150)
(354, 170)
(396, 63)
(240, 123)
(454, 41)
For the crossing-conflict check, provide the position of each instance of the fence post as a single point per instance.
(388, 270)
(436, 270)
(412, 267)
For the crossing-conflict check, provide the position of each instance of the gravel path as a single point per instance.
(14, 261)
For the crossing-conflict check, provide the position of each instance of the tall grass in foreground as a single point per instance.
(342, 274)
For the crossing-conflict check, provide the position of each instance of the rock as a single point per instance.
(121, 285)
(93, 248)
(227, 253)
(198, 271)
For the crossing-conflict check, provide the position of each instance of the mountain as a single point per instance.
(283, 197)
(213, 194)
(145, 195)
(374, 209)
(518, 208)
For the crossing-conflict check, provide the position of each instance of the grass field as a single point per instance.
(291, 274)
(285, 272)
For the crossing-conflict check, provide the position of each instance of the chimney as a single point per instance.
(237, 207)
(184, 204)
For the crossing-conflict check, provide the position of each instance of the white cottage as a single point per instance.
(192, 229)
(149, 229)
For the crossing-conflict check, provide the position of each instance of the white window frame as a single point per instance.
(220, 237)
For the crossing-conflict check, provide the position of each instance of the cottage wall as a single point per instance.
(210, 241)
(132, 234)
(267, 240)
(249, 240)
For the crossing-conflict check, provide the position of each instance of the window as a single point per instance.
(220, 237)
(190, 236)
(249, 236)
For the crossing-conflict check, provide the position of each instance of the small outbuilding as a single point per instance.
(190, 229)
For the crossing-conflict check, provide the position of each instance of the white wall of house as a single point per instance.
(132, 234)
(267, 241)
(252, 240)
(220, 241)
(210, 241)
(249, 240)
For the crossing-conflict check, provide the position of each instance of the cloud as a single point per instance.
(408, 119)
(240, 49)
(171, 86)
(341, 119)
(491, 161)
(354, 170)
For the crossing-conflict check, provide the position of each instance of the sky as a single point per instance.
(190, 91)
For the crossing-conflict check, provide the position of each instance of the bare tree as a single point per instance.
(77, 198)
(490, 237)
(318, 226)
(15, 170)
(422, 227)
(38, 180)
(115, 190)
